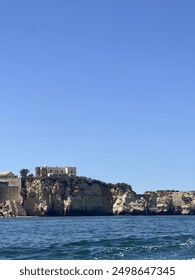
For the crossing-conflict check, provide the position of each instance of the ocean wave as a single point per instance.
(98, 238)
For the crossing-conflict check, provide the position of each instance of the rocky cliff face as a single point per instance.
(171, 202)
(10, 201)
(125, 200)
(5, 211)
(156, 203)
(84, 196)
(68, 196)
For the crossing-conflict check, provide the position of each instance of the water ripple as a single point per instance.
(170, 237)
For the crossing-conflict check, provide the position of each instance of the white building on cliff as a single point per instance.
(47, 171)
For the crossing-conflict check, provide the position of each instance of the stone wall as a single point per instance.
(12, 181)
(3, 184)
(9, 192)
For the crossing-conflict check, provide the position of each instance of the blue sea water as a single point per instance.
(96, 238)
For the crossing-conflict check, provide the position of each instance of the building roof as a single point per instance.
(5, 173)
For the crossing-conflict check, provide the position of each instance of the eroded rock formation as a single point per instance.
(5, 211)
(84, 196)
(68, 196)
(156, 203)
(171, 202)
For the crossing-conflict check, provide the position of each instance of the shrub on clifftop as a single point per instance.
(24, 172)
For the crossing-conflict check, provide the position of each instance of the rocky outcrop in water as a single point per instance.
(171, 203)
(157, 203)
(11, 208)
(84, 196)
(5, 211)
(125, 200)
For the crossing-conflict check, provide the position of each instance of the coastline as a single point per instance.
(81, 196)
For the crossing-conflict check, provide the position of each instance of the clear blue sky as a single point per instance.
(104, 85)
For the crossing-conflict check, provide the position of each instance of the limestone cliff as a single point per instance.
(5, 211)
(84, 196)
(10, 201)
(171, 202)
(68, 196)
(156, 203)
(125, 200)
